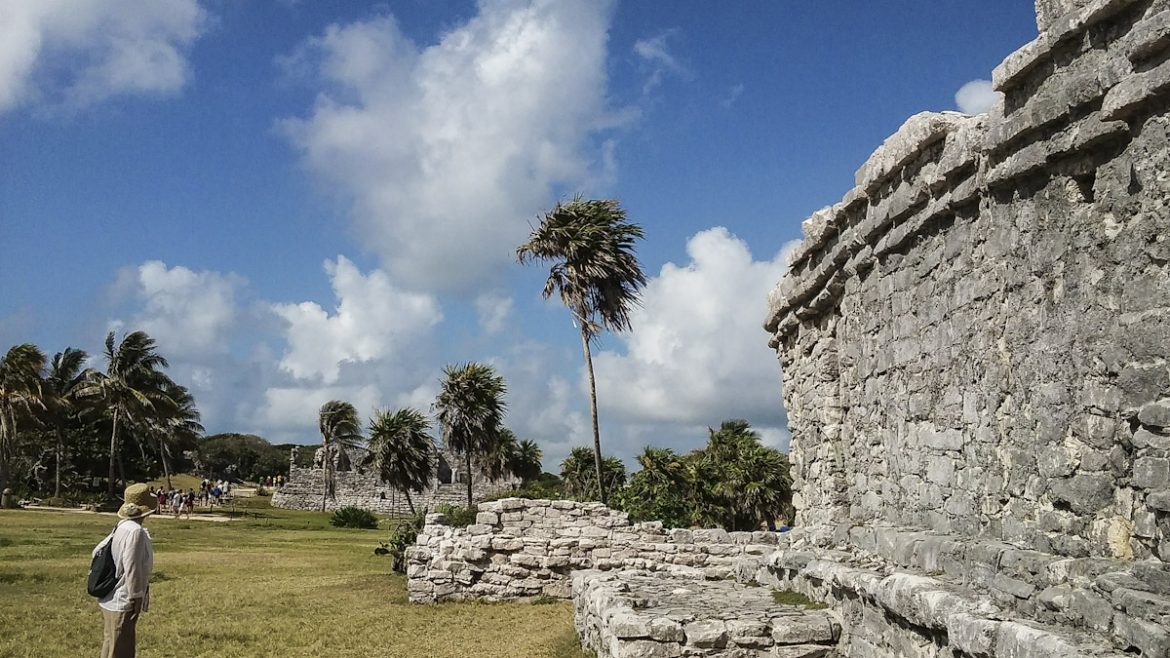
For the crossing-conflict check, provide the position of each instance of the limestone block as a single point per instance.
(1152, 639)
(802, 651)
(706, 634)
(1156, 414)
(1151, 472)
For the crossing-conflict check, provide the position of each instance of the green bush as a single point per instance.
(354, 517)
(457, 515)
(402, 537)
(261, 491)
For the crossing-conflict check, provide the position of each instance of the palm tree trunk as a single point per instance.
(113, 451)
(593, 412)
(409, 502)
(162, 454)
(6, 436)
(57, 477)
(468, 479)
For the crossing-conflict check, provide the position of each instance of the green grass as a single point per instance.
(789, 597)
(274, 583)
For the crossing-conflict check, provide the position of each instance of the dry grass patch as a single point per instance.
(268, 585)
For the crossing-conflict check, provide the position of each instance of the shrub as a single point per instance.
(402, 537)
(457, 515)
(354, 517)
(261, 491)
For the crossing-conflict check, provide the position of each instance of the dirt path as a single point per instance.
(213, 518)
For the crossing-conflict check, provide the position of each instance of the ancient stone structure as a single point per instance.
(357, 487)
(976, 352)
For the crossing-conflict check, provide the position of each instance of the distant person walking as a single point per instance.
(133, 562)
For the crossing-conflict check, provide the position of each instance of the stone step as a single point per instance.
(885, 612)
(641, 614)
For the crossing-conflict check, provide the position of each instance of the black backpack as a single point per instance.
(103, 575)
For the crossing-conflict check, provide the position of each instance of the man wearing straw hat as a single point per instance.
(133, 561)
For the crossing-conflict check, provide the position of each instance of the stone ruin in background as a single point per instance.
(975, 346)
(356, 485)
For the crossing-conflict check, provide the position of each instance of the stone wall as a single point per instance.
(522, 548)
(975, 339)
(354, 487)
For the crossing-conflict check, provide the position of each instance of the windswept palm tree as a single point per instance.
(526, 460)
(743, 481)
(65, 378)
(340, 431)
(470, 409)
(131, 387)
(177, 421)
(401, 450)
(596, 273)
(498, 460)
(20, 390)
(580, 479)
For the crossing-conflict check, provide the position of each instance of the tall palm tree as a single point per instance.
(470, 407)
(401, 450)
(64, 379)
(20, 390)
(340, 431)
(596, 273)
(131, 387)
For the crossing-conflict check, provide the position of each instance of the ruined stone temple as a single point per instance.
(357, 486)
(975, 344)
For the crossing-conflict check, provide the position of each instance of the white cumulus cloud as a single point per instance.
(373, 319)
(291, 413)
(697, 354)
(976, 97)
(447, 152)
(189, 313)
(73, 54)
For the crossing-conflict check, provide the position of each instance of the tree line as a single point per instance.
(469, 410)
(58, 410)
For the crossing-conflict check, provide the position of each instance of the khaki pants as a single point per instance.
(118, 636)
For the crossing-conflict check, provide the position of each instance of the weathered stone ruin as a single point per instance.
(356, 486)
(976, 352)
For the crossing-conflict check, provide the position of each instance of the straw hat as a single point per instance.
(138, 503)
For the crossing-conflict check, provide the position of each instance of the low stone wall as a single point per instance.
(630, 614)
(521, 548)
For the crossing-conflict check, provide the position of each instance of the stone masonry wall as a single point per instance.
(305, 487)
(975, 340)
(354, 487)
(522, 548)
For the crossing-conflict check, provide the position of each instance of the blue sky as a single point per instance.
(307, 200)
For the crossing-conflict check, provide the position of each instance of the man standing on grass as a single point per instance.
(133, 561)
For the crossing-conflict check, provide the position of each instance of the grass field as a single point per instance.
(274, 583)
